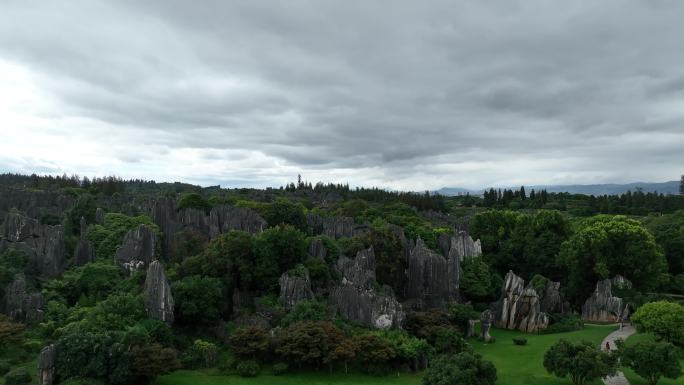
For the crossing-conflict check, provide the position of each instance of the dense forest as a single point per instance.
(107, 280)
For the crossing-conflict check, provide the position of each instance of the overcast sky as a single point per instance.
(399, 94)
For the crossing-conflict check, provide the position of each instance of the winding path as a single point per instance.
(620, 334)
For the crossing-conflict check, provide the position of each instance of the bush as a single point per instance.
(18, 377)
(520, 341)
(280, 369)
(249, 368)
(4, 367)
(227, 365)
(561, 324)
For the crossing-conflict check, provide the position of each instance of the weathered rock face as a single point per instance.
(356, 300)
(221, 219)
(138, 248)
(552, 302)
(317, 249)
(227, 218)
(23, 306)
(485, 324)
(432, 279)
(602, 306)
(294, 288)
(46, 365)
(367, 307)
(157, 295)
(44, 244)
(462, 245)
(360, 271)
(99, 216)
(334, 227)
(519, 307)
(84, 252)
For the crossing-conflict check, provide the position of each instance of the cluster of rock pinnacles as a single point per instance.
(432, 278)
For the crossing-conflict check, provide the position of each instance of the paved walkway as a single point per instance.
(620, 334)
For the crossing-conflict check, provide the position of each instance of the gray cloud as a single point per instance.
(394, 93)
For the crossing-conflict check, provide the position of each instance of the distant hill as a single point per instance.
(671, 187)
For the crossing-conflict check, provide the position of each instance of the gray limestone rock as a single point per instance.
(157, 294)
(359, 271)
(22, 306)
(46, 365)
(367, 307)
(138, 248)
(432, 283)
(44, 244)
(486, 319)
(84, 253)
(519, 307)
(602, 306)
(295, 288)
(356, 300)
(317, 249)
(99, 216)
(226, 218)
(334, 227)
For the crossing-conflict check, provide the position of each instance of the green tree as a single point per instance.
(607, 246)
(108, 237)
(250, 342)
(310, 343)
(477, 282)
(663, 319)
(198, 300)
(451, 342)
(282, 211)
(11, 333)
(373, 352)
(583, 362)
(652, 360)
(276, 250)
(306, 310)
(463, 369)
(152, 360)
(193, 201)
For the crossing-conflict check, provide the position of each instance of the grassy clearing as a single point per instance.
(634, 379)
(523, 365)
(516, 365)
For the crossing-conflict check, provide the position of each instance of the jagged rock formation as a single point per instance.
(354, 298)
(602, 306)
(462, 244)
(138, 249)
(433, 281)
(99, 216)
(317, 249)
(46, 365)
(295, 288)
(85, 251)
(227, 218)
(33, 203)
(20, 305)
(485, 324)
(44, 244)
(360, 271)
(334, 227)
(157, 294)
(220, 219)
(519, 307)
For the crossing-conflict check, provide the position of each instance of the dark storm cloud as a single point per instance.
(409, 94)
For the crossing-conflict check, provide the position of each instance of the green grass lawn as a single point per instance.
(189, 377)
(634, 379)
(516, 365)
(523, 365)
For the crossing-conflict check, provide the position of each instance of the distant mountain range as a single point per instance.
(671, 187)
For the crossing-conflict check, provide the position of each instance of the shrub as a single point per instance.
(563, 324)
(520, 341)
(280, 368)
(4, 367)
(18, 377)
(249, 368)
(227, 365)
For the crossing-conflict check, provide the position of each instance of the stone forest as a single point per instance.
(110, 281)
